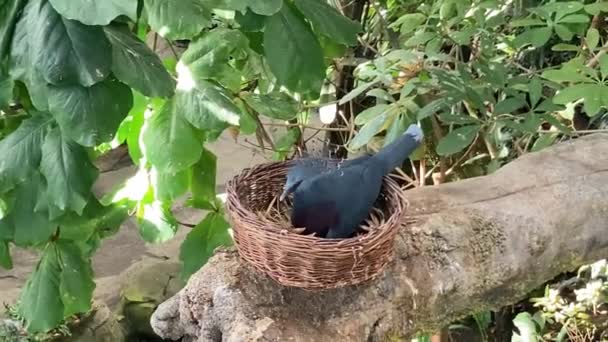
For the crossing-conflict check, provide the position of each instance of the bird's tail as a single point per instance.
(396, 152)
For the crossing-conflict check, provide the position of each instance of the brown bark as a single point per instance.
(475, 244)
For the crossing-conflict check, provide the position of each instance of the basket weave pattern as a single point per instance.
(306, 261)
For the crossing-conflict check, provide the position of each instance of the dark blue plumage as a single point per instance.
(334, 202)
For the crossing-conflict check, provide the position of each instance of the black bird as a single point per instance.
(334, 202)
(308, 167)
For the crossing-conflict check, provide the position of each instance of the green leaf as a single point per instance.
(40, 302)
(460, 119)
(457, 140)
(250, 21)
(596, 8)
(276, 105)
(207, 106)
(409, 22)
(200, 243)
(293, 52)
(168, 186)
(381, 94)
(266, 7)
(181, 19)
(62, 48)
(329, 21)
(370, 113)
(396, 129)
(368, 131)
(509, 105)
(592, 38)
(419, 38)
(431, 108)
(9, 14)
(90, 115)
(604, 65)
(356, 92)
(563, 32)
(535, 91)
(564, 47)
(284, 144)
(137, 122)
(171, 144)
(156, 223)
(94, 12)
(21, 151)
(203, 181)
(537, 37)
(526, 22)
(575, 19)
(6, 261)
(76, 280)
(573, 93)
(544, 140)
(31, 223)
(96, 218)
(565, 74)
(526, 326)
(207, 57)
(68, 170)
(136, 65)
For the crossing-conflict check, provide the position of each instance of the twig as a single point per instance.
(336, 129)
(190, 225)
(582, 131)
(172, 49)
(466, 153)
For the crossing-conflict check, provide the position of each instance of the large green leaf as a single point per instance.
(168, 186)
(266, 7)
(181, 19)
(68, 52)
(200, 243)
(29, 219)
(171, 144)
(203, 181)
(207, 106)
(592, 94)
(156, 224)
(276, 105)
(329, 21)
(457, 140)
(509, 105)
(76, 280)
(9, 14)
(293, 52)
(95, 12)
(6, 261)
(90, 115)
(41, 303)
(21, 151)
(537, 37)
(136, 65)
(368, 131)
(68, 171)
(208, 57)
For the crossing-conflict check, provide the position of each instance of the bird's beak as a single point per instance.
(284, 194)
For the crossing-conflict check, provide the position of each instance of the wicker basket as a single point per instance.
(306, 261)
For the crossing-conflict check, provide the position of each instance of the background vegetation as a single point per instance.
(488, 81)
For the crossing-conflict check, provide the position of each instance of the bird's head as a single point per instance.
(415, 133)
(290, 186)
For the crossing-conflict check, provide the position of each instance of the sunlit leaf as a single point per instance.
(171, 144)
(368, 131)
(370, 113)
(592, 38)
(94, 12)
(156, 223)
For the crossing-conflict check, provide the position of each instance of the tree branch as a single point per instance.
(471, 245)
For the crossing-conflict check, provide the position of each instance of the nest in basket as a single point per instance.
(266, 239)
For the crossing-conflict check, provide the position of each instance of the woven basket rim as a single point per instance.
(277, 229)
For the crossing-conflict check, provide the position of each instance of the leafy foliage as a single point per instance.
(77, 77)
